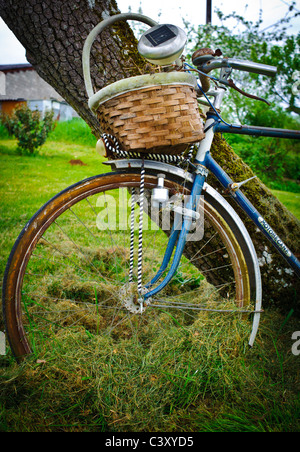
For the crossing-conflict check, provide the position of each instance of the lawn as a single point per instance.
(290, 200)
(179, 383)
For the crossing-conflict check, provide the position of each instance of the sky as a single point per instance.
(170, 11)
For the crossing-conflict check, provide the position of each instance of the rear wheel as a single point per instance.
(70, 267)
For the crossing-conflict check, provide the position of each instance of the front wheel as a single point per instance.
(73, 267)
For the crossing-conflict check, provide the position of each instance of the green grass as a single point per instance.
(74, 131)
(28, 182)
(290, 200)
(183, 382)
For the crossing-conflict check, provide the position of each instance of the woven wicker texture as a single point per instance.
(159, 119)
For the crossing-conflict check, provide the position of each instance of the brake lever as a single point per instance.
(231, 84)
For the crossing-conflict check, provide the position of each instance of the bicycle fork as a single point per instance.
(178, 235)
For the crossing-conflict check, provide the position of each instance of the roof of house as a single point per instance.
(13, 99)
(15, 67)
(22, 81)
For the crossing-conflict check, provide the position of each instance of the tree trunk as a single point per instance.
(281, 287)
(53, 33)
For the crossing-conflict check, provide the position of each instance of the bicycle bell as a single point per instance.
(162, 44)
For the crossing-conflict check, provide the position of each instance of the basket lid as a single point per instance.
(139, 82)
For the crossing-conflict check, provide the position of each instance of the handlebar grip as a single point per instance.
(251, 66)
(241, 65)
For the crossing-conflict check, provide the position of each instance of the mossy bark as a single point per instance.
(280, 285)
(53, 33)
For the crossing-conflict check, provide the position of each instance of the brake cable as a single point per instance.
(211, 105)
(229, 83)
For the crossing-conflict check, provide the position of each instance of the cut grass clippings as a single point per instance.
(181, 383)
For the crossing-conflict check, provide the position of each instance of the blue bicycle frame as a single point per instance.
(205, 162)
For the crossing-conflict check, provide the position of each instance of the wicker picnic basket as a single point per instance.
(155, 113)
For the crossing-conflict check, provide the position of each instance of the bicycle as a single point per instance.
(128, 252)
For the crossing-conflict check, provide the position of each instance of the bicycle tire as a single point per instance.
(26, 293)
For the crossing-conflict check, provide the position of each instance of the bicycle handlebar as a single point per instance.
(241, 65)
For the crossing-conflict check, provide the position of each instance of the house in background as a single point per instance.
(21, 84)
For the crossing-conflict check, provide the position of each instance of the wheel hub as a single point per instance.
(131, 299)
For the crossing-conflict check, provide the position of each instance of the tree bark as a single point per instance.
(281, 287)
(53, 33)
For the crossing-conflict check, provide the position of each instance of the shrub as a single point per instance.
(29, 128)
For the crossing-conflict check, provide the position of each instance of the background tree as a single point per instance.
(53, 33)
(244, 39)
